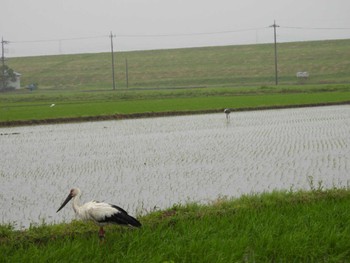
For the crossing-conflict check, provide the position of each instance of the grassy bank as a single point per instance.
(275, 227)
(326, 61)
(35, 106)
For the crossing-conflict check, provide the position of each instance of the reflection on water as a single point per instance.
(141, 164)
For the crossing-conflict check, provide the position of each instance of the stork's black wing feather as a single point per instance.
(121, 217)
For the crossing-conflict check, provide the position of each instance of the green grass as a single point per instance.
(300, 226)
(326, 61)
(26, 105)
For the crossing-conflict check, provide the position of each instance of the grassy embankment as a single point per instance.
(247, 65)
(276, 227)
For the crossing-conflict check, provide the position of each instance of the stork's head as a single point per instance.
(73, 192)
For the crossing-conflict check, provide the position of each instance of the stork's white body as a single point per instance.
(94, 211)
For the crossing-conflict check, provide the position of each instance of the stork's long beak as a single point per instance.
(69, 197)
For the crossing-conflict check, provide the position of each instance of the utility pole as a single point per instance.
(127, 72)
(3, 79)
(113, 77)
(276, 68)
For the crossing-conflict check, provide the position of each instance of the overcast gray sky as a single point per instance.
(38, 27)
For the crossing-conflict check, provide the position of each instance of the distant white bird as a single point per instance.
(227, 111)
(101, 213)
(52, 105)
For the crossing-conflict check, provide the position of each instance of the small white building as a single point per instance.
(303, 75)
(16, 84)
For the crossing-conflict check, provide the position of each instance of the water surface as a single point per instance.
(146, 164)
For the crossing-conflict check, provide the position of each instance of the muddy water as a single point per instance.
(146, 164)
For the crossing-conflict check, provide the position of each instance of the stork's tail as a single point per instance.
(134, 222)
(124, 218)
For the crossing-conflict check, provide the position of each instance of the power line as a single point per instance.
(176, 35)
(192, 34)
(140, 35)
(316, 28)
(59, 39)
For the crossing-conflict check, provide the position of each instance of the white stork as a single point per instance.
(99, 212)
(227, 111)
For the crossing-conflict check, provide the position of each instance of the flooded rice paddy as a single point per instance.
(147, 164)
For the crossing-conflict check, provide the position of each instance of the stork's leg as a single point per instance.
(101, 233)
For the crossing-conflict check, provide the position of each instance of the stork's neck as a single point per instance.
(76, 202)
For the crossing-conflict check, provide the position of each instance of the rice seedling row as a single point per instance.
(148, 164)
